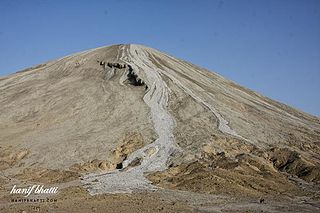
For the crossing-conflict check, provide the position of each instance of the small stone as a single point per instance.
(261, 200)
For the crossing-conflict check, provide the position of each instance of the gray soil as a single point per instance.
(127, 122)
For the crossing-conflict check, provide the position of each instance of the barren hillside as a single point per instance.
(128, 121)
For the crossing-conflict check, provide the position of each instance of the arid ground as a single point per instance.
(127, 128)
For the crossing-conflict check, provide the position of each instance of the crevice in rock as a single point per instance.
(134, 79)
(119, 165)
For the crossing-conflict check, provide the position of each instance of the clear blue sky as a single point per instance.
(269, 46)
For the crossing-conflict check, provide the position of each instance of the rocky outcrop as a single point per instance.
(133, 78)
(116, 65)
(287, 160)
(112, 64)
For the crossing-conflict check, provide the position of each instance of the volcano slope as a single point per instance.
(127, 124)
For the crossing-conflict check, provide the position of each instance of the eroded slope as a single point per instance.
(128, 117)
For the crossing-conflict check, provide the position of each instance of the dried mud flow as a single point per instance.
(129, 128)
